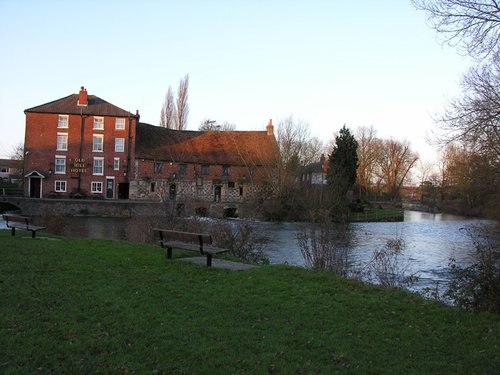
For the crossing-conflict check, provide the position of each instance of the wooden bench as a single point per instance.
(199, 242)
(21, 222)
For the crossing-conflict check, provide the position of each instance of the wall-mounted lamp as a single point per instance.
(50, 171)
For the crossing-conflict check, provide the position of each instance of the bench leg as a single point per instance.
(33, 233)
(13, 231)
(169, 252)
(209, 260)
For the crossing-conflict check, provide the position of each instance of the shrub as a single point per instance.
(241, 238)
(477, 287)
(324, 245)
(389, 267)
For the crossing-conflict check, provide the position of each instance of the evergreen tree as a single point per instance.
(341, 174)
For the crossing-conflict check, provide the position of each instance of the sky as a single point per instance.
(326, 63)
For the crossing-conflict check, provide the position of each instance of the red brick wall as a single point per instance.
(40, 148)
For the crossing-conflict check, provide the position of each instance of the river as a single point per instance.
(430, 240)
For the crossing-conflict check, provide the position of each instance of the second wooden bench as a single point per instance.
(21, 222)
(199, 242)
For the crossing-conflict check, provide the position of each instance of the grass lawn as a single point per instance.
(377, 214)
(71, 306)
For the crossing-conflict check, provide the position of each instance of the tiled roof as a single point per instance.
(68, 106)
(237, 148)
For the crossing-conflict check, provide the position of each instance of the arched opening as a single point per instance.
(230, 212)
(201, 211)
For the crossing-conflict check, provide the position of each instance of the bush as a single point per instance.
(477, 287)
(241, 238)
(388, 266)
(324, 245)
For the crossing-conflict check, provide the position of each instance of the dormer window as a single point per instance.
(98, 123)
(225, 170)
(63, 121)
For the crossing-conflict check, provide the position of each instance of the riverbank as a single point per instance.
(73, 305)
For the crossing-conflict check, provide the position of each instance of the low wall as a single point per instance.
(123, 208)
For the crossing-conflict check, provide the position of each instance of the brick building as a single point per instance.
(197, 169)
(81, 145)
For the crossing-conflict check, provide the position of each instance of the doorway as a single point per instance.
(110, 190)
(35, 187)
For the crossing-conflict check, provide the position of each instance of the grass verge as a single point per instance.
(97, 306)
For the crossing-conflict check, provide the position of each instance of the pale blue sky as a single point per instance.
(328, 63)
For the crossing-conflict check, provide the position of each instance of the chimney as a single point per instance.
(82, 97)
(270, 127)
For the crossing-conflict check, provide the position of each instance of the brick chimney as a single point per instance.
(82, 97)
(270, 127)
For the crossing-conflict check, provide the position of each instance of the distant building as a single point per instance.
(10, 171)
(315, 173)
(83, 146)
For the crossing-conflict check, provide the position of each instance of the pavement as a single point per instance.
(219, 263)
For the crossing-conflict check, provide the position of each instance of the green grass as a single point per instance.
(95, 306)
(377, 214)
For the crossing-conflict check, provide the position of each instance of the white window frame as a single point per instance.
(63, 165)
(119, 147)
(95, 145)
(96, 187)
(62, 186)
(98, 160)
(116, 164)
(98, 123)
(120, 123)
(63, 124)
(62, 142)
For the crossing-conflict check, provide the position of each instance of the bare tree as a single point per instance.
(473, 25)
(474, 118)
(182, 104)
(17, 154)
(168, 111)
(212, 125)
(369, 148)
(396, 161)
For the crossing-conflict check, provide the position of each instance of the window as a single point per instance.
(158, 166)
(225, 170)
(4, 170)
(98, 123)
(230, 184)
(60, 186)
(96, 187)
(62, 142)
(63, 121)
(60, 165)
(182, 169)
(120, 124)
(119, 144)
(205, 169)
(98, 166)
(98, 143)
(199, 181)
(116, 164)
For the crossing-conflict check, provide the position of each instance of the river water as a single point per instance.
(430, 240)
